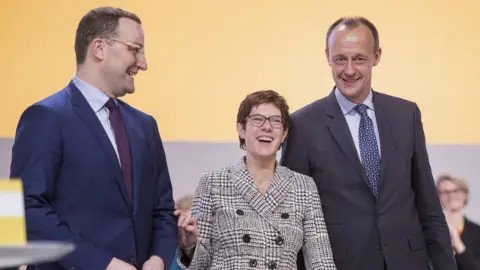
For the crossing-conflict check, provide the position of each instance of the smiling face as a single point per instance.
(352, 56)
(263, 131)
(120, 57)
(452, 196)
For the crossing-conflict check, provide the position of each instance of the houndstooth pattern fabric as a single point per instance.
(369, 148)
(242, 229)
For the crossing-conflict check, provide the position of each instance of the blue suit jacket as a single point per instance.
(74, 190)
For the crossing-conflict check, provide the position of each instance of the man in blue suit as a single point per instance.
(93, 167)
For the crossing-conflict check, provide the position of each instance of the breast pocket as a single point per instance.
(334, 171)
(226, 219)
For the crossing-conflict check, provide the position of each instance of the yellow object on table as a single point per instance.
(12, 213)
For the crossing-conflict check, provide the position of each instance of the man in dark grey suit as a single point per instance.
(367, 154)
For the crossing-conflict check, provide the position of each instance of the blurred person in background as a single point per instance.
(256, 213)
(464, 233)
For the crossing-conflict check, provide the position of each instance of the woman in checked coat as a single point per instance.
(256, 214)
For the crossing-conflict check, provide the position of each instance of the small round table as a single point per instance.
(32, 253)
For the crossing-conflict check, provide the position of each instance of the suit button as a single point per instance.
(246, 238)
(252, 263)
(377, 247)
(240, 212)
(272, 265)
(279, 241)
(73, 268)
(285, 215)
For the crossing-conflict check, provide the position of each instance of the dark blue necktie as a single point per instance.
(123, 147)
(369, 148)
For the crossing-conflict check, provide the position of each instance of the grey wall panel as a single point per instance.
(5, 157)
(188, 160)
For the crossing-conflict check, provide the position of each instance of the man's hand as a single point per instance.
(154, 263)
(116, 264)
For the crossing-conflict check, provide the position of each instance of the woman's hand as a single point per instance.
(455, 238)
(187, 229)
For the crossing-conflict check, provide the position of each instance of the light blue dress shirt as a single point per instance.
(97, 99)
(353, 118)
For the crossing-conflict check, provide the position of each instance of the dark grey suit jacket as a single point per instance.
(470, 259)
(405, 228)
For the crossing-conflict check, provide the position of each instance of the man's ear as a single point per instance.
(98, 48)
(378, 55)
(327, 55)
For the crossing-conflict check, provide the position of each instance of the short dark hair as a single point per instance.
(98, 22)
(258, 98)
(354, 22)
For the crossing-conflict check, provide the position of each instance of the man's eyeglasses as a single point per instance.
(258, 120)
(138, 49)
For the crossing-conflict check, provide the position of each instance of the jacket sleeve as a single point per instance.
(432, 219)
(36, 160)
(202, 212)
(317, 249)
(164, 221)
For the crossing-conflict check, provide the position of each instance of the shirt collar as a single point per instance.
(94, 96)
(347, 105)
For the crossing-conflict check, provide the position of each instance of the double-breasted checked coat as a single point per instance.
(240, 228)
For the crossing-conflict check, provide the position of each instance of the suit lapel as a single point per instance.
(83, 109)
(278, 189)
(265, 204)
(387, 139)
(337, 124)
(135, 138)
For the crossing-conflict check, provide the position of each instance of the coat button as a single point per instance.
(285, 215)
(272, 265)
(279, 241)
(246, 238)
(240, 212)
(252, 263)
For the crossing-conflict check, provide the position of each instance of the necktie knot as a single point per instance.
(361, 109)
(111, 105)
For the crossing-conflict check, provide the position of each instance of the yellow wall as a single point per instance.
(215, 52)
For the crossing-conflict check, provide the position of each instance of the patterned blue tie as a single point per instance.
(369, 148)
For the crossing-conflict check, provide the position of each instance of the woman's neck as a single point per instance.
(261, 170)
(457, 217)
